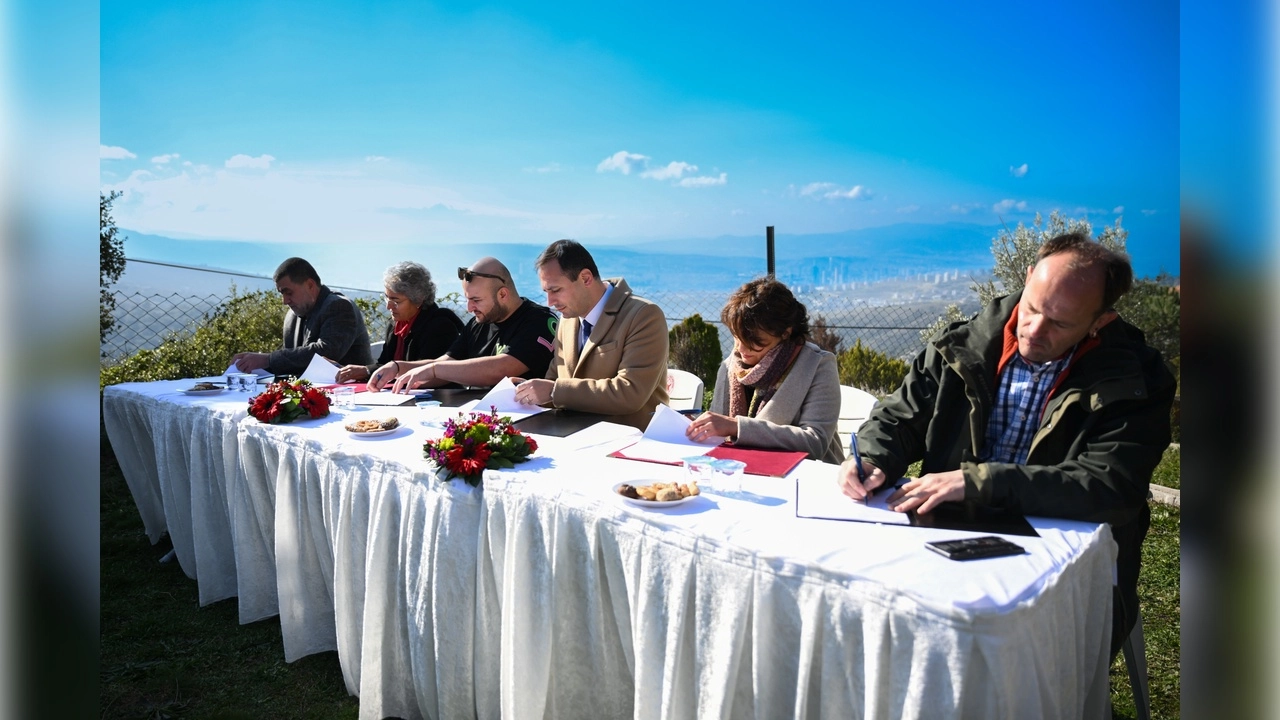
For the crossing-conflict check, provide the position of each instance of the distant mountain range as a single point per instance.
(710, 263)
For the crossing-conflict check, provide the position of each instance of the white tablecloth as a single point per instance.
(543, 595)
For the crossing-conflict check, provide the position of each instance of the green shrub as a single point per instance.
(1154, 306)
(695, 348)
(873, 371)
(375, 315)
(250, 322)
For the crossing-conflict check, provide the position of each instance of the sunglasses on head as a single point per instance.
(467, 275)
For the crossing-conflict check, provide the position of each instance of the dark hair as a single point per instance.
(297, 270)
(1088, 254)
(411, 280)
(765, 305)
(570, 256)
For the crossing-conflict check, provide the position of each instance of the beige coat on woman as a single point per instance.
(802, 415)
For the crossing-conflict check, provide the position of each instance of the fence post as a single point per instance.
(768, 248)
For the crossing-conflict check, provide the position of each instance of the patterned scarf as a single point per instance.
(763, 379)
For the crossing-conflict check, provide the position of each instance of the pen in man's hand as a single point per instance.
(857, 457)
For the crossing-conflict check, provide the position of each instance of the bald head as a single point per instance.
(493, 266)
(490, 293)
(1062, 303)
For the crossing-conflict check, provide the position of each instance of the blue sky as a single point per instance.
(333, 123)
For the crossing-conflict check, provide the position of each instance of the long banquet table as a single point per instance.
(542, 594)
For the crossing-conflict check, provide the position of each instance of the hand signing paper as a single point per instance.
(857, 489)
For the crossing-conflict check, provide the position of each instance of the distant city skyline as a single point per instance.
(366, 127)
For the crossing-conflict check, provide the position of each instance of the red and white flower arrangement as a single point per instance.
(284, 402)
(472, 444)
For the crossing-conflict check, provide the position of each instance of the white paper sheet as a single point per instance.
(320, 371)
(664, 439)
(503, 397)
(818, 496)
(260, 372)
(382, 399)
(600, 435)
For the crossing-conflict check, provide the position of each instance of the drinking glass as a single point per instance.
(344, 397)
(728, 476)
(701, 469)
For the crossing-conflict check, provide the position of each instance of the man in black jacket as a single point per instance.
(1045, 403)
(319, 321)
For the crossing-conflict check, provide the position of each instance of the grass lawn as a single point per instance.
(1169, 472)
(163, 656)
(1159, 595)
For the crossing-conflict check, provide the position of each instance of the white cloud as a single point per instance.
(832, 191)
(114, 152)
(622, 161)
(262, 162)
(816, 188)
(908, 209)
(672, 171)
(186, 163)
(374, 158)
(548, 168)
(857, 192)
(1006, 205)
(1020, 171)
(736, 212)
(966, 208)
(704, 181)
(165, 159)
(1149, 213)
(1118, 210)
(370, 202)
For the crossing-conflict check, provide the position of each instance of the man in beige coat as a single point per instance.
(611, 346)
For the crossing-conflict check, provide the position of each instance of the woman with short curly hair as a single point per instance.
(419, 329)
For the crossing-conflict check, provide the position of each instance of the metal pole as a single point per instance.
(768, 244)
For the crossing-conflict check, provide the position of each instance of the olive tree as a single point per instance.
(111, 264)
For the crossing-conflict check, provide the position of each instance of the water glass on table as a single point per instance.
(344, 397)
(242, 382)
(728, 476)
(701, 469)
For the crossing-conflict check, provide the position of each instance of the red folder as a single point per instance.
(773, 463)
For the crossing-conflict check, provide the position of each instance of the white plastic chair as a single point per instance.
(855, 408)
(375, 349)
(684, 389)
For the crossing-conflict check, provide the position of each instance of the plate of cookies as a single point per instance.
(373, 428)
(656, 494)
(205, 388)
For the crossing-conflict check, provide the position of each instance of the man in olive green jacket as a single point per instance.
(1078, 438)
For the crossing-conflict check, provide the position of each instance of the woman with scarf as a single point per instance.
(419, 329)
(775, 390)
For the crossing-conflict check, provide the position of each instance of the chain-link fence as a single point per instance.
(886, 317)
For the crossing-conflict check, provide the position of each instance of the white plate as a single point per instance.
(375, 433)
(649, 504)
(214, 391)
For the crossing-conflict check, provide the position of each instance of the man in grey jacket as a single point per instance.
(1045, 403)
(319, 321)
